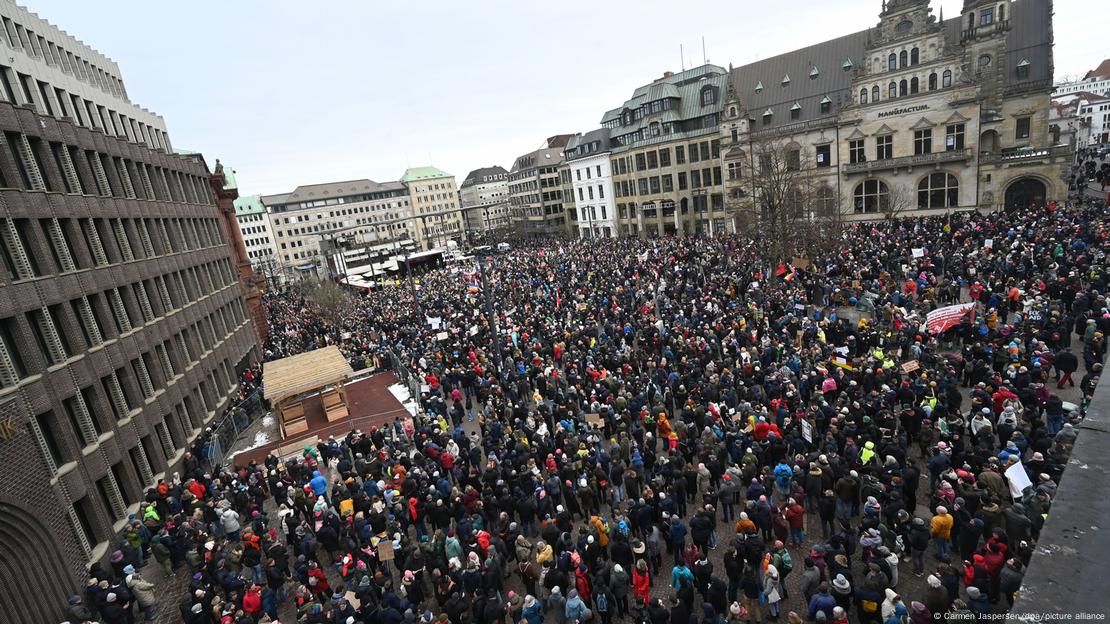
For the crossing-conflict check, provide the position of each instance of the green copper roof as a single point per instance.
(412, 174)
(250, 204)
(229, 178)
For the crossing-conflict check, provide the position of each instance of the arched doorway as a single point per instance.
(1025, 192)
(33, 570)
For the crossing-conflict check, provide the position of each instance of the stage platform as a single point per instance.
(370, 404)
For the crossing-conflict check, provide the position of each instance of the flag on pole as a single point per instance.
(780, 270)
(791, 275)
(949, 316)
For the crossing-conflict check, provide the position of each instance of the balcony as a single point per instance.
(984, 30)
(918, 160)
(1026, 155)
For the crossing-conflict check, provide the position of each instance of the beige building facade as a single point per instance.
(914, 116)
(434, 204)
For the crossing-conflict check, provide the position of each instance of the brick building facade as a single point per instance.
(122, 332)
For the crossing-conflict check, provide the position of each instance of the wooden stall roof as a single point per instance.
(305, 372)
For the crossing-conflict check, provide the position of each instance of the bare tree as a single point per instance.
(333, 301)
(782, 204)
(897, 200)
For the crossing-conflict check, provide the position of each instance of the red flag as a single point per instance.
(781, 270)
(949, 316)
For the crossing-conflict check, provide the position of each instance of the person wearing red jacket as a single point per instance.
(796, 517)
(318, 581)
(252, 602)
(641, 581)
(1000, 397)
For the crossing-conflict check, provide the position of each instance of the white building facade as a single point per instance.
(254, 226)
(587, 157)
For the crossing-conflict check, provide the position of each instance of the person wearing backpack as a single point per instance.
(783, 562)
(603, 603)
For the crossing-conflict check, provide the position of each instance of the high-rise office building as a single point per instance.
(123, 327)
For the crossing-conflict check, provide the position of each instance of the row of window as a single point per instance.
(19, 38)
(902, 59)
(45, 337)
(59, 167)
(667, 207)
(936, 190)
(698, 178)
(76, 244)
(56, 102)
(643, 161)
(656, 129)
(124, 484)
(922, 142)
(589, 172)
(590, 192)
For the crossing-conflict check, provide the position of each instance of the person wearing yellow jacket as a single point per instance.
(941, 529)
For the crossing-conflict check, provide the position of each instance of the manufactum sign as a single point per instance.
(904, 111)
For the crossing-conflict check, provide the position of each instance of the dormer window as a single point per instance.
(1023, 68)
(847, 64)
(759, 86)
(796, 111)
(731, 111)
(826, 104)
(708, 96)
(813, 72)
(786, 80)
(767, 115)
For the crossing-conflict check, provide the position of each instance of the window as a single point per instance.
(954, 137)
(938, 190)
(903, 88)
(855, 151)
(884, 147)
(870, 196)
(1001, 12)
(875, 93)
(826, 201)
(664, 159)
(695, 178)
(765, 164)
(946, 78)
(693, 152)
(826, 105)
(796, 111)
(708, 96)
(668, 183)
(824, 155)
(679, 154)
(682, 181)
(654, 186)
(915, 85)
(892, 90)
(933, 81)
(652, 160)
(915, 57)
(794, 159)
(641, 162)
(984, 61)
(767, 117)
(892, 62)
(1023, 128)
(734, 171)
(986, 17)
(643, 184)
(903, 59)
(923, 141)
(1023, 69)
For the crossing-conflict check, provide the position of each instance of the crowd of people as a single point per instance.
(666, 431)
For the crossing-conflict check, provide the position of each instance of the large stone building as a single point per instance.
(434, 202)
(915, 115)
(487, 187)
(123, 327)
(589, 174)
(536, 191)
(665, 160)
(359, 211)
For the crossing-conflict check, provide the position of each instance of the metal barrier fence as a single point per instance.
(235, 421)
(407, 377)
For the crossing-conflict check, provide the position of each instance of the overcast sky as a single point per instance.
(292, 92)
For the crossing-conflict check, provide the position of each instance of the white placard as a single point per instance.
(1018, 479)
(807, 431)
(989, 243)
(919, 252)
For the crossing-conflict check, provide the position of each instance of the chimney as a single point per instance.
(668, 74)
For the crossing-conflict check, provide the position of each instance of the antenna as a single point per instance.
(681, 57)
(704, 59)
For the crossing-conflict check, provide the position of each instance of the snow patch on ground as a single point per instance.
(401, 393)
(268, 420)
